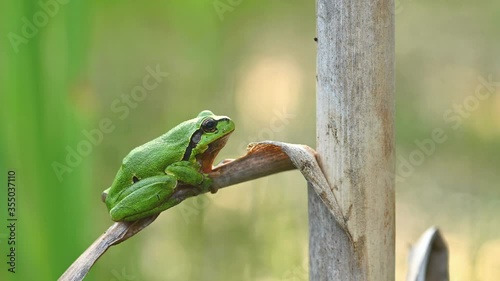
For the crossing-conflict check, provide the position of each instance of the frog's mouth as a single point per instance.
(206, 159)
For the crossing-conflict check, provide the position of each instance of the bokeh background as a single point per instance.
(68, 66)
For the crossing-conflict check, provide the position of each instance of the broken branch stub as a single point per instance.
(428, 259)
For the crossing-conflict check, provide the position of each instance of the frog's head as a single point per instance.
(210, 136)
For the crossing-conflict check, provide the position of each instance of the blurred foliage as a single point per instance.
(255, 62)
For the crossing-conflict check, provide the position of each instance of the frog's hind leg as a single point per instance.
(190, 174)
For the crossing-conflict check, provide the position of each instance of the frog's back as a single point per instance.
(153, 157)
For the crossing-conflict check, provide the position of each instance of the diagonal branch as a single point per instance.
(262, 159)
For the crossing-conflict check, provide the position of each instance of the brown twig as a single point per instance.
(262, 159)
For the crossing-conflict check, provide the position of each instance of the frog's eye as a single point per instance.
(209, 125)
(135, 179)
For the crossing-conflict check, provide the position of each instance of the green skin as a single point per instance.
(150, 173)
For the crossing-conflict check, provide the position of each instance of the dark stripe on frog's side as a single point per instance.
(195, 138)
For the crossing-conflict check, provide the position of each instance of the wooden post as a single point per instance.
(355, 140)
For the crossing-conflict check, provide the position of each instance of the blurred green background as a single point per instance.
(68, 66)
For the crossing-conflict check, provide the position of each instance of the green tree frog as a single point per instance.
(150, 173)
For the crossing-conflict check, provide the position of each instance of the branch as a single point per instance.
(262, 159)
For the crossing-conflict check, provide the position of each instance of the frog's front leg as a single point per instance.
(189, 173)
(145, 198)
